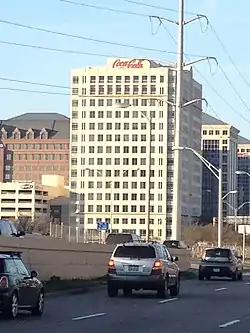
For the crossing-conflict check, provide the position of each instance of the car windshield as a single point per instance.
(1, 266)
(218, 253)
(118, 238)
(141, 252)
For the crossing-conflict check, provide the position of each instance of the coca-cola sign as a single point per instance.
(134, 63)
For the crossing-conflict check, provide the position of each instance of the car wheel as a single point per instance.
(235, 276)
(240, 276)
(112, 290)
(163, 290)
(12, 310)
(201, 276)
(127, 291)
(175, 290)
(38, 309)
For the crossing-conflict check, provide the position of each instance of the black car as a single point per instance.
(19, 289)
(114, 238)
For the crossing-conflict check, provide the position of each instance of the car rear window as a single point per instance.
(1, 265)
(141, 252)
(118, 238)
(218, 253)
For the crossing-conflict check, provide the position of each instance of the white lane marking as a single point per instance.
(167, 300)
(248, 283)
(230, 323)
(220, 289)
(89, 316)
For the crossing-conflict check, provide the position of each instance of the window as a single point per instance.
(141, 252)
(21, 268)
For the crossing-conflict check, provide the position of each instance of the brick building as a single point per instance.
(34, 144)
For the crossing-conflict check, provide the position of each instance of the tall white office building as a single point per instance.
(110, 146)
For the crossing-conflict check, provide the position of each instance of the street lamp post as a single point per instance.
(235, 210)
(218, 174)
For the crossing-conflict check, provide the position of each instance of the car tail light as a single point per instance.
(4, 282)
(157, 267)
(111, 266)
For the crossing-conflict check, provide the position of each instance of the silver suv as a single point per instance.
(221, 262)
(147, 266)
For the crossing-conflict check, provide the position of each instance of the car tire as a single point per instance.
(201, 276)
(240, 276)
(235, 276)
(127, 291)
(11, 311)
(175, 290)
(39, 307)
(163, 290)
(112, 290)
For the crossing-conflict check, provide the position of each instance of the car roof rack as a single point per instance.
(12, 253)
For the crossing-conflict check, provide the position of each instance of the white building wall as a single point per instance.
(109, 145)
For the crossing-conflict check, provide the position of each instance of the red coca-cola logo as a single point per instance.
(134, 63)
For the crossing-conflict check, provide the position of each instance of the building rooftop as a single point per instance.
(56, 124)
(210, 120)
(243, 141)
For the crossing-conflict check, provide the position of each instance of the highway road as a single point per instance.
(203, 306)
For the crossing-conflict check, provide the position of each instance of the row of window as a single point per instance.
(121, 79)
(37, 146)
(120, 149)
(215, 132)
(16, 134)
(121, 185)
(142, 232)
(114, 102)
(124, 161)
(124, 126)
(126, 209)
(126, 196)
(41, 157)
(118, 173)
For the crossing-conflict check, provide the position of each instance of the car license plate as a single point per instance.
(133, 268)
(216, 270)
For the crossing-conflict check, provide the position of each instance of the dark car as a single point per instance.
(19, 289)
(221, 262)
(8, 229)
(122, 238)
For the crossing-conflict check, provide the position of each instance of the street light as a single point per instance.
(149, 119)
(218, 174)
(239, 172)
(230, 192)
(236, 211)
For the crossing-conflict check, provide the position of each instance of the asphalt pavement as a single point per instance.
(202, 306)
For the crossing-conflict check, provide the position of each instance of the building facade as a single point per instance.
(219, 146)
(111, 110)
(27, 199)
(34, 144)
(244, 180)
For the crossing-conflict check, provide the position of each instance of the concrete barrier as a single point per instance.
(70, 260)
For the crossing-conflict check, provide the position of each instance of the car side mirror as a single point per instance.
(33, 274)
(175, 259)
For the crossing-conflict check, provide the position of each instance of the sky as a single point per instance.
(227, 92)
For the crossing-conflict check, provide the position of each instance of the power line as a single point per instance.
(46, 48)
(143, 4)
(105, 8)
(207, 82)
(34, 83)
(82, 37)
(34, 91)
(228, 55)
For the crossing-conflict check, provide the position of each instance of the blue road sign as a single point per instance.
(102, 226)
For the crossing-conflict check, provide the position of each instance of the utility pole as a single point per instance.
(176, 213)
(149, 179)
